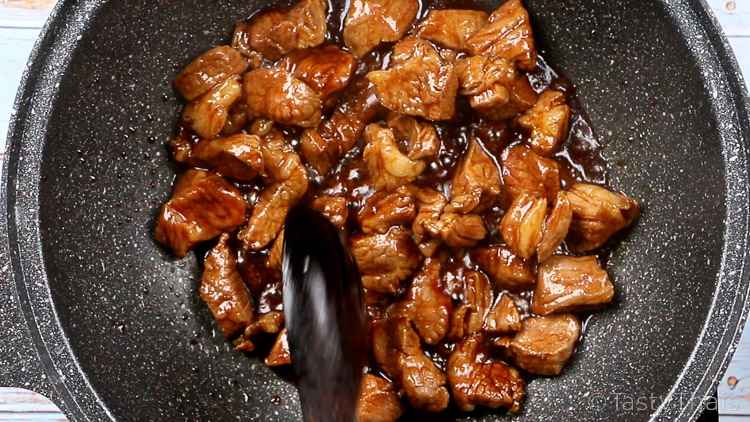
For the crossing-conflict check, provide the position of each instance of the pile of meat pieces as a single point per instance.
(279, 73)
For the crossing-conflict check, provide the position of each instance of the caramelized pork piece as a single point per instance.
(389, 168)
(384, 210)
(378, 400)
(276, 32)
(371, 22)
(237, 119)
(451, 28)
(597, 215)
(469, 316)
(385, 260)
(325, 69)
(430, 205)
(323, 146)
(427, 305)
(506, 269)
(478, 380)
(275, 255)
(568, 284)
(208, 70)
(421, 137)
(398, 351)
(279, 354)
(555, 228)
(495, 88)
(503, 318)
(279, 96)
(224, 291)
(203, 205)
(334, 208)
(508, 35)
(238, 157)
(476, 183)
(523, 223)
(548, 121)
(526, 172)
(267, 323)
(288, 184)
(208, 114)
(458, 230)
(545, 344)
(419, 82)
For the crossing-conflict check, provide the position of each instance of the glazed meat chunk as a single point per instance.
(325, 69)
(398, 351)
(526, 172)
(469, 317)
(276, 32)
(548, 122)
(555, 228)
(597, 215)
(567, 283)
(523, 224)
(545, 344)
(238, 157)
(223, 290)
(385, 260)
(203, 205)
(378, 401)
(371, 22)
(389, 168)
(427, 305)
(478, 380)
(334, 208)
(383, 210)
(506, 269)
(209, 70)
(476, 183)
(503, 318)
(430, 205)
(279, 96)
(208, 114)
(279, 354)
(458, 230)
(421, 138)
(451, 28)
(419, 82)
(508, 35)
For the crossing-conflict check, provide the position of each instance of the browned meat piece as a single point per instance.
(277, 95)
(267, 323)
(238, 157)
(371, 22)
(545, 344)
(378, 401)
(458, 230)
(548, 121)
(526, 172)
(323, 146)
(325, 69)
(275, 255)
(388, 167)
(506, 269)
(469, 316)
(276, 32)
(384, 210)
(279, 354)
(478, 380)
(597, 215)
(568, 283)
(421, 137)
(181, 148)
(385, 260)
(208, 70)
(494, 87)
(427, 305)
(334, 208)
(555, 228)
(208, 114)
(503, 318)
(224, 291)
(476, 183)
(236, 120)
(508, 35)
(430, 205)
(419, 82)
(451, 28)
(289, 184)
(397, 350)
(203, 205)
(523, 223)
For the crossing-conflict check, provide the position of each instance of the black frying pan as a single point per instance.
(102, 320)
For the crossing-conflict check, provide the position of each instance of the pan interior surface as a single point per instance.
(147, 345)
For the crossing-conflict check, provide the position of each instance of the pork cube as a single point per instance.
(555, 228)
(238, 156)
(209, 70)
(208, 114)
(279, 96)
(430, 205)
(458, 230)
(469, 317)
(325, 69)
(279, 354)
(383, 210)
(503, 318)
(426, 304)
(568, 283)
(385, 260)
(523, 223)
(371, 22)
(378, 400)
(421, 137)
(476, 183)
(526, 172)
(451, 28)
(508, 35)
(548, 122)
(388, 167)
(545, 344)
(597, 215)
(507, 270)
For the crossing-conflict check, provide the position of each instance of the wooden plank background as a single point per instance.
(20, 22)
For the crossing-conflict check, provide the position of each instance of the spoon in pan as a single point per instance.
(324, 317)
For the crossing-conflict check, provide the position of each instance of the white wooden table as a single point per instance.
(20, 22)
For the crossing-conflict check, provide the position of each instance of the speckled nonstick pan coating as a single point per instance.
(98, 317)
